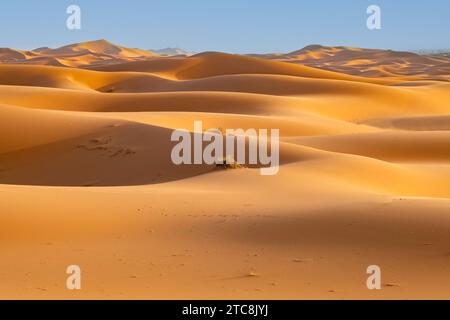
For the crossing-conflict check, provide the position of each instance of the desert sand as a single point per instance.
(86, 176)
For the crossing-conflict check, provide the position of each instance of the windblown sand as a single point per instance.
(86, 176)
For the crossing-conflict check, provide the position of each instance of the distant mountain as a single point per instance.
(434, 52)
(172, 52)
(41, 49)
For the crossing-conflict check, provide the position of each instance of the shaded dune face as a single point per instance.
(94, 152)
(85, 161)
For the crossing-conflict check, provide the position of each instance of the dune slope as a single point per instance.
(86, 175)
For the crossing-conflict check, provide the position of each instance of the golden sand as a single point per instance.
(86, 176)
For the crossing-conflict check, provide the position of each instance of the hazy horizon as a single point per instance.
(420, 51)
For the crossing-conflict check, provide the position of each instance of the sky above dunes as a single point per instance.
(239, 26)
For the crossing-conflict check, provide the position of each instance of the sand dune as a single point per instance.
(417, 123)
(369, 62)
(99, 47)
(123, 82)
(396, 146)
(7, 54)
(74, 55)
(98, 146)
(210, 64)
(86, 176)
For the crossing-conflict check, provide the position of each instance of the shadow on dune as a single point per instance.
(128, 154)
(388, 227)
(132, 154)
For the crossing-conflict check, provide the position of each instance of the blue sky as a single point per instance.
(240, 26)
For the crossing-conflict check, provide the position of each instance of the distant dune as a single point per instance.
(353, 61)
(370, 62)
(75, 55)
(86, 176)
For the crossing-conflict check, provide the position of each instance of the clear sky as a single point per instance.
(240, 26)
